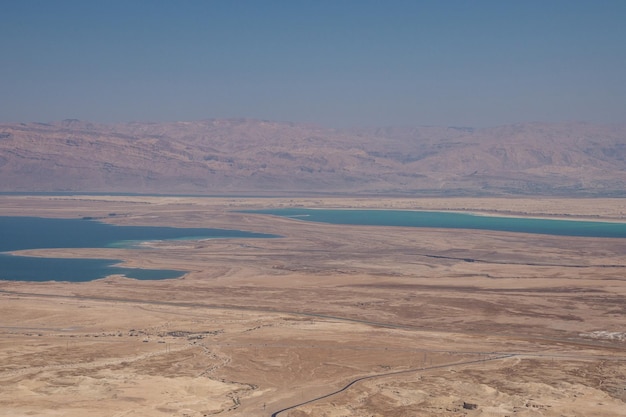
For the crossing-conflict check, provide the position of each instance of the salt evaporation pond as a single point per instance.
(19, 233)
(453, 220)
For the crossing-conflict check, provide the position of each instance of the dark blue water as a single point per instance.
(26, 268)
(450, 220)
(18, 233)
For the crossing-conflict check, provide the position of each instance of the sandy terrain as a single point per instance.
(414, 322)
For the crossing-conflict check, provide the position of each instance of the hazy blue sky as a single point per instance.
(335, 63)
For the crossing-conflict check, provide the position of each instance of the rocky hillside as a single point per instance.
(261, 157)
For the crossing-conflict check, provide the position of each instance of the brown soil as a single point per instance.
(532, 327)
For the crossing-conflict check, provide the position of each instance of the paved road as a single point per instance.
(500, 355)
(354, 381)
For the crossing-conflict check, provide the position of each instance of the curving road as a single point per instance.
(500, 355)
(354, 381)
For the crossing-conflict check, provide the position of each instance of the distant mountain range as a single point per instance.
(264, 157)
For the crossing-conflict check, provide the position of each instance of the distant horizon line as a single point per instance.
(310, 124)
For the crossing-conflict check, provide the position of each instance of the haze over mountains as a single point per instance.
(264, 157)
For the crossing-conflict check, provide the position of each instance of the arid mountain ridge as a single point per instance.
(263, 157)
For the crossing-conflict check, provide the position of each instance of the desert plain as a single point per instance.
(326, 320)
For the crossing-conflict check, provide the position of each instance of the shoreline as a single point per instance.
(477, 212)
(316, 309)
(592, 209)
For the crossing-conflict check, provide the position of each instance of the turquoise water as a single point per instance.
(450, 220)
(19, 233)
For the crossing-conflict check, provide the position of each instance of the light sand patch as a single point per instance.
(264, 324)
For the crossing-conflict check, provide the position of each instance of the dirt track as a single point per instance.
(261, 325)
